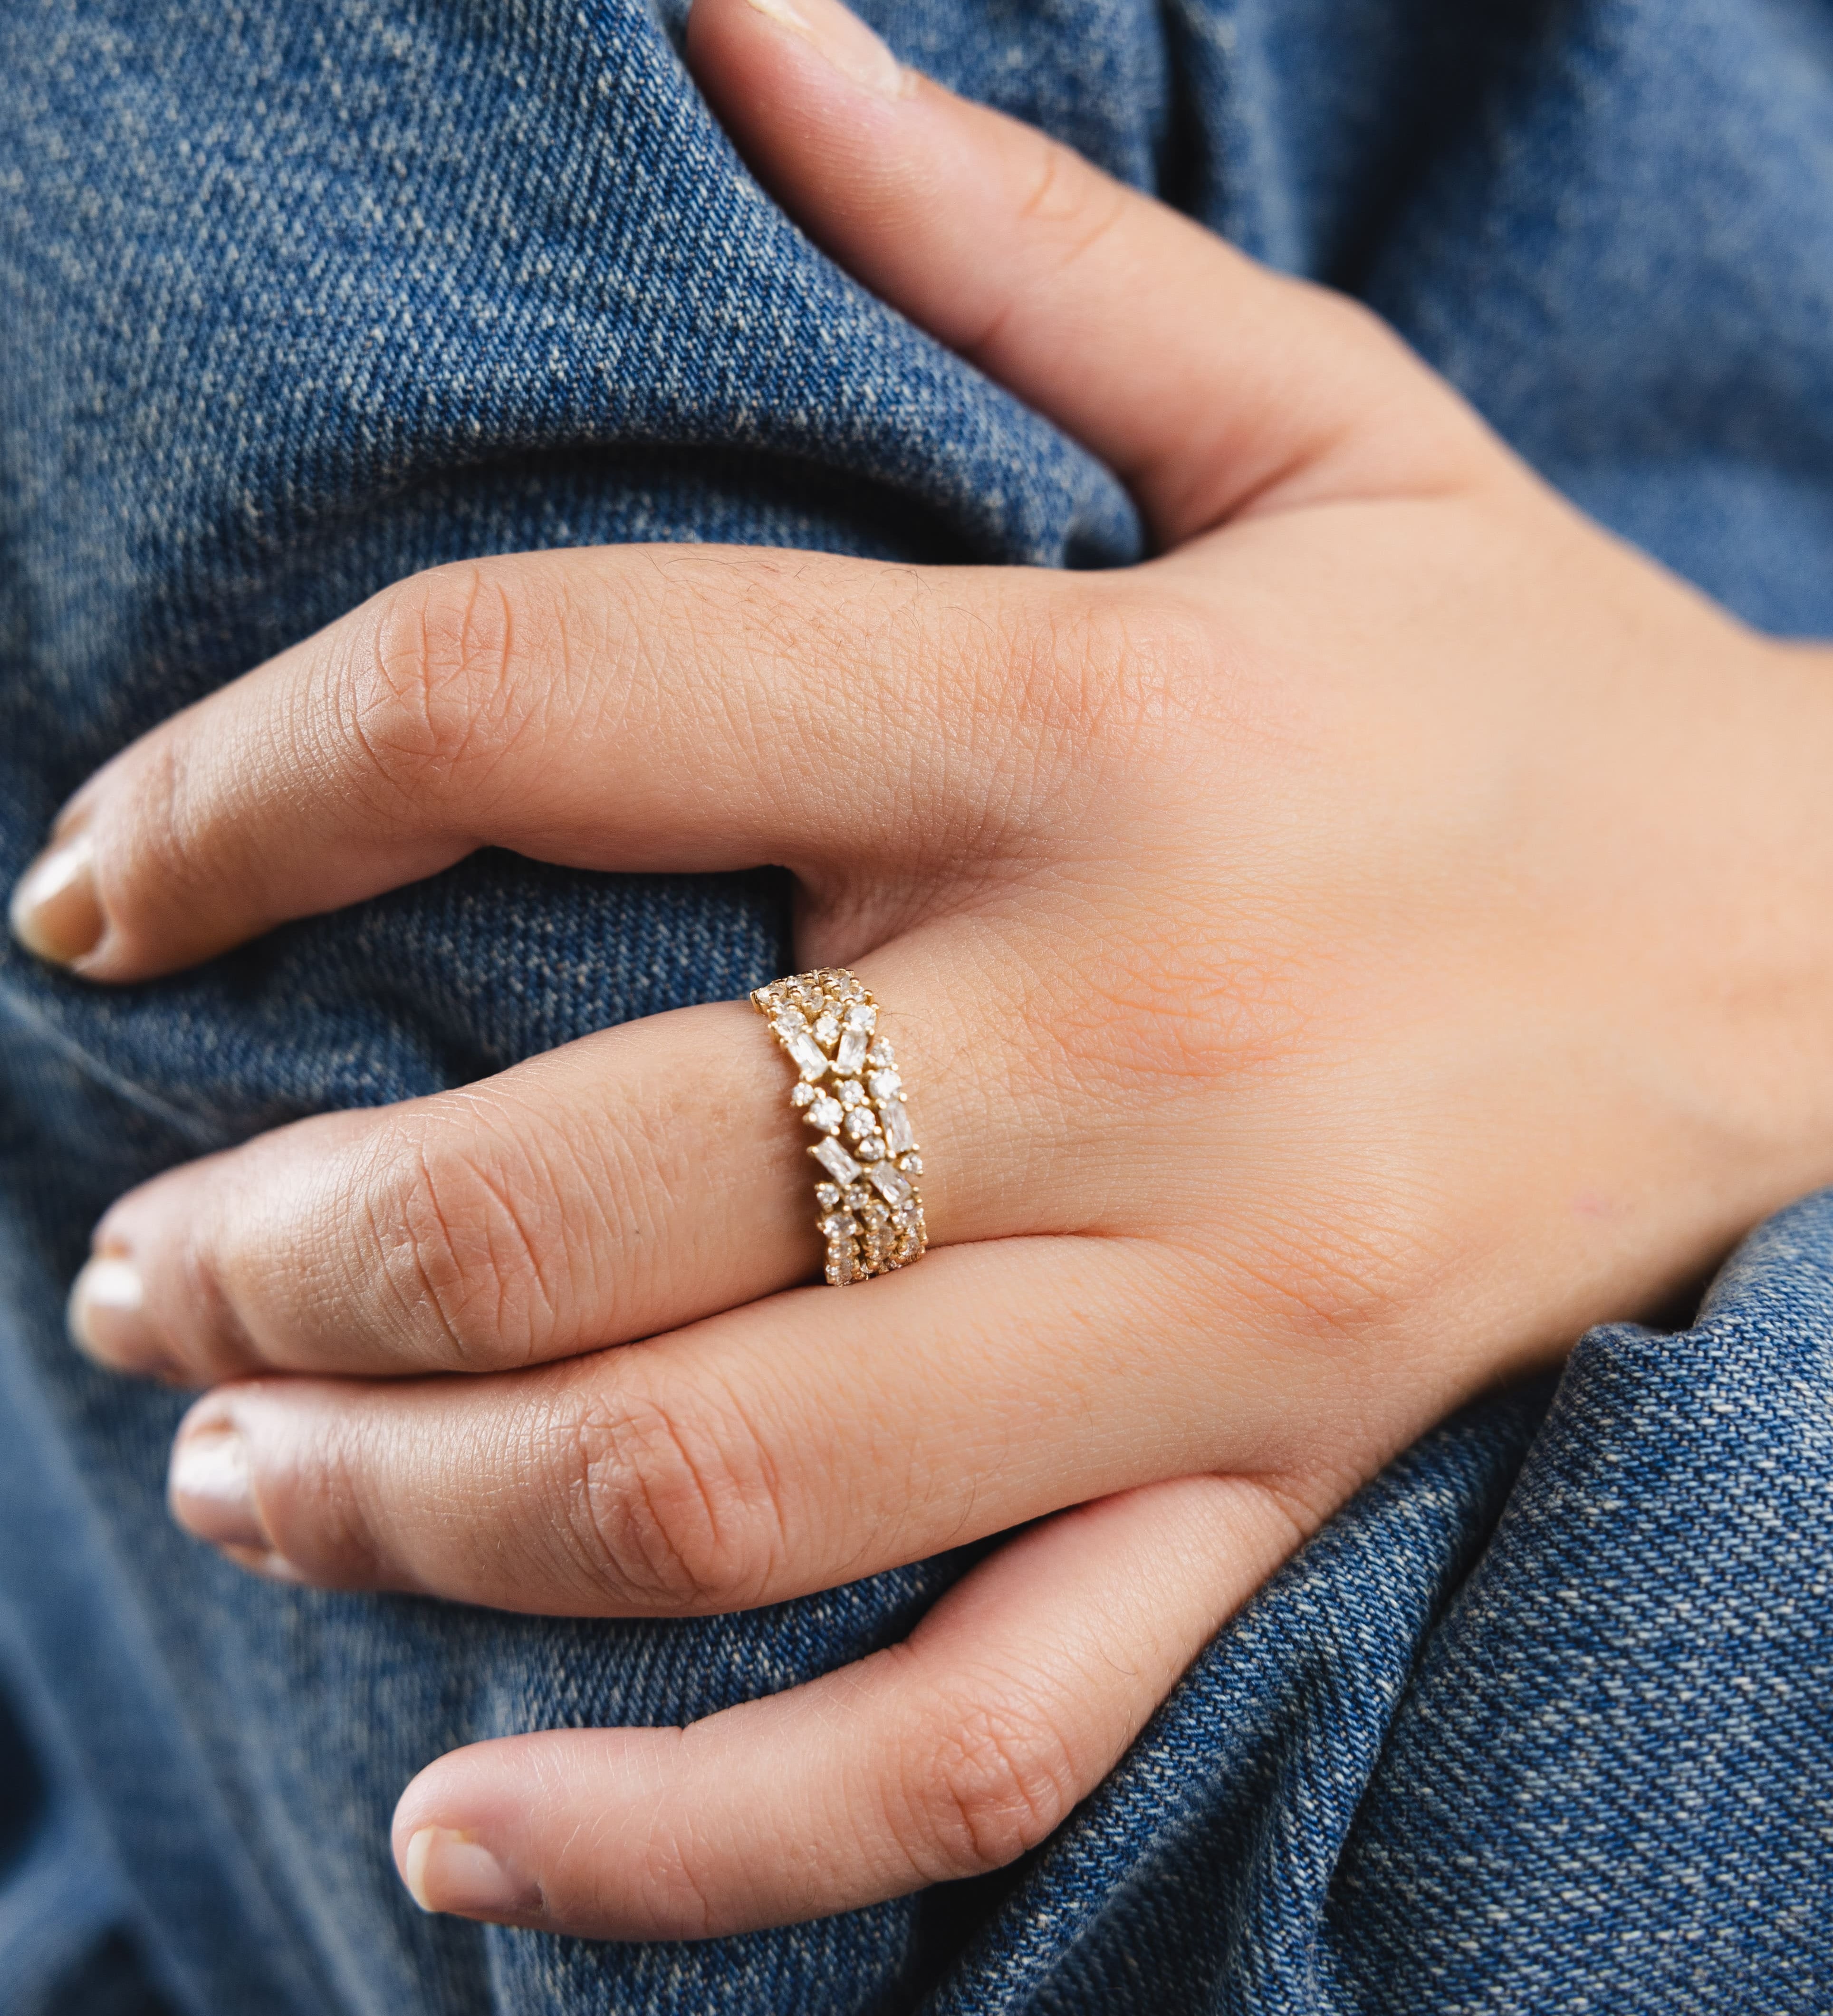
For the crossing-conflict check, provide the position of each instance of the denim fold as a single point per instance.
(299, 299)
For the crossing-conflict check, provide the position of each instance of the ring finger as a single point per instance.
(623, 1185)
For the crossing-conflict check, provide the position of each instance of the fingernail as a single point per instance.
(107, 1321)
(211, 1492)
(446, 1871)
(844, 39)
(55, 912)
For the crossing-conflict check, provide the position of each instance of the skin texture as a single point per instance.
(1319, 998)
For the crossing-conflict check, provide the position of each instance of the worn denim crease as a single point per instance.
(298, 298)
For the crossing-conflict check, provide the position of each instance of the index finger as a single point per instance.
(638, 708)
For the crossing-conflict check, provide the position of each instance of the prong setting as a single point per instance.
(869, 1208)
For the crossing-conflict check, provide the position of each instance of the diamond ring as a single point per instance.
(868, 1209)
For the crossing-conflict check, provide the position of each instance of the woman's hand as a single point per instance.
(1333, 964)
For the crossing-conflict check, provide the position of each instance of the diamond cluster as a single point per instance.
(868, 1205)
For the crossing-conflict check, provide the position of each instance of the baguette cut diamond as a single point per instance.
(807, 1055)
(835, 1159)
(869, 1210)
(897, 1134)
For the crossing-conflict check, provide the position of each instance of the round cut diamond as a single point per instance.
(804, 1091)
(827, 1032)
(827, 1196)
(882, 1054)
(869, 1148)
(826, 1113)
(850, 1091)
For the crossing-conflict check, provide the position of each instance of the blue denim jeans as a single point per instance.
(299, 296)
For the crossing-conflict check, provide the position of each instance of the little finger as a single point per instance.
(944, 1757)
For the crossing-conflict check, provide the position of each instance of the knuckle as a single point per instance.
(1358, 328)
(467, 1275)
(317, 1500)
(993, 1780)
(672, 1506)
(425, 687)
(1104, 674)
(1026, 714)
(168, 841)
(1352, 320)
(1070, 198)
(1341, 1282)
(1376, 363)
(219, 1340)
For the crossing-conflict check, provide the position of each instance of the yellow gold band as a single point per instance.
(868, 1205)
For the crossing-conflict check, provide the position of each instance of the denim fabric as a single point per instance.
(299, 297)
(1579, 1759)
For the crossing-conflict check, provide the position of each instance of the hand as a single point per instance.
(1333, 963)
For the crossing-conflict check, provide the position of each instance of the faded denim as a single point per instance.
(299, 296)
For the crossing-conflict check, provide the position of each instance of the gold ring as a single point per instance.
(869, 1207)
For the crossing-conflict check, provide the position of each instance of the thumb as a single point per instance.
(1210, 385)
